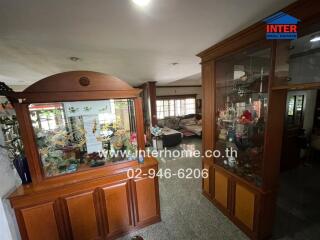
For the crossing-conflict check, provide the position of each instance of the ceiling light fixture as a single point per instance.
(315, 38)
(74, 59)
(141, 3)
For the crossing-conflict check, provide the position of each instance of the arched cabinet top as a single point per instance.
(78, 81)
(73, 86)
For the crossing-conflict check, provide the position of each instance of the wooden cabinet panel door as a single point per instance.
(40, 222)
(81, 210)
(244, 205)
(221, 188)
(146, 200)
(117, 207)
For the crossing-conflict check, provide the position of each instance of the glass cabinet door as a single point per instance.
(298, 61)
(241, 111)
(74, 136)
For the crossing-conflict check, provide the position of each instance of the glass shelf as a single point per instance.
(75, 136)
(242, 106)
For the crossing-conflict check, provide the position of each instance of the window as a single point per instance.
(48, 116)
(174, 107)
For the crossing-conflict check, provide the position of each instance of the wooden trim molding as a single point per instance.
(297, 86)
(76, 81)
(139, 123)
(153, 103)
(176, 96)
(179, 86)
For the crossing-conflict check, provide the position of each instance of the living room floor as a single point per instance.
(298, 212)
(185, 212)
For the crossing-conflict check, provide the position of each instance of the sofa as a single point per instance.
(191, 123)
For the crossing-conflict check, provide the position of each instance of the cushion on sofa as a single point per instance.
(161, 123)
(172, 122)
(188, 122)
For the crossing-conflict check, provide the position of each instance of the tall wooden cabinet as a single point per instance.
(245, 84)
(243, 117)
(66, 120)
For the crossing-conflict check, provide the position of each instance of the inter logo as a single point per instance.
(281, 26)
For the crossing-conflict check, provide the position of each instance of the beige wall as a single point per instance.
(18, 88)
(172, 91)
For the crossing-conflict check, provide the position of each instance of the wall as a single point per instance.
(171, 91)
(9, 179)
(18, 88)
(304, 60)
(304, 65)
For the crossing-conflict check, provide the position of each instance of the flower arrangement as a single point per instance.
(10, 128)
(156, 131)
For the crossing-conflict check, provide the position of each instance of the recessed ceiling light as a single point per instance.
(74, 59)
(315, 38)
(141, 3)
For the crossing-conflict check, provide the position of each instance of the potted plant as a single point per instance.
(13, 143)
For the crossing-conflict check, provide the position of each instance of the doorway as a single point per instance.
(298, 128)
(298, 211)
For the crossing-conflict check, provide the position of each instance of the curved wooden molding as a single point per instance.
(78, 81)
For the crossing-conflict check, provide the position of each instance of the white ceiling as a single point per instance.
(303, 44)
(37, 37)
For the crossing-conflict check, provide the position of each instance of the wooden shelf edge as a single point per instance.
(30, 189)
(297, 86)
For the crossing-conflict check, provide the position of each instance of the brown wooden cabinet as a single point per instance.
(244, 82)
(103, 209)
(75, 192)
(145, 192)
(242, 103)
(244, 205)
(84, 222)
(117, 203)
(39, 222)
(221, 188)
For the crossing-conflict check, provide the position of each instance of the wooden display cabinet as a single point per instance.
(240, 113)
(245, 84)
(76, 194)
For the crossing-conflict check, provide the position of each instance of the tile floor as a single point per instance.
(186, 214)
(298, 206)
